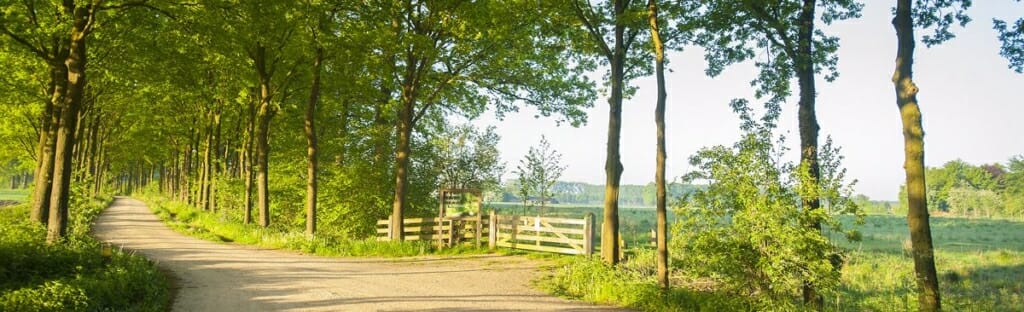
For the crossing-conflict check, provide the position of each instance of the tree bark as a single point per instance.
(76, 64)
(808, 124)
(913, 143)
(48, 138)
(613, 165)
(204, 175)
(311, 151)
(659, 169)
(214, 162)
(402, 150)
(250, 132)
(264, 113)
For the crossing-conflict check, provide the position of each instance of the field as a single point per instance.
(18, 195)
(980, 261)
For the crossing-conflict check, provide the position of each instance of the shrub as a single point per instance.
(748, 231)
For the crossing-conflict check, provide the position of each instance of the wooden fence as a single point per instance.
(447, 231)
(558, 235)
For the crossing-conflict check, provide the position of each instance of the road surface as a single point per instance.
(228, 277)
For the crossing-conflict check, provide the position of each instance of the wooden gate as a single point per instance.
(558, 235)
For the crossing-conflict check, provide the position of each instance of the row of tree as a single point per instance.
(587, 194)
(209, 99)
(988, 190)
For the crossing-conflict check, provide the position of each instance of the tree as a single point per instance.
(907, 17)
(734, 30)
(469, 159)
(538, 171)
(613, 30)
(457, 57)
(747, 228)
(1012, 40)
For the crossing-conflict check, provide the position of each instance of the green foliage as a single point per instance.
(748, 231)
(736, 31)
(538, 172)
(963, 189)
(469, 158)
(72, 276)
(1012, 40)
(632, 285)
(938, 16)
(981, 267)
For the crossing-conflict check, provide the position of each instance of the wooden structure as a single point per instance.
(558, 235)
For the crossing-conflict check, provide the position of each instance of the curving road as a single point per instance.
(227, 277)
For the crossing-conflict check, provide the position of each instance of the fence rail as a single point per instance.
(558, 235)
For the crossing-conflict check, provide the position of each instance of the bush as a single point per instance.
(72, 275)
(632, 285)
(748, 230)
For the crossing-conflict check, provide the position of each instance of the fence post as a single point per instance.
(588, 234)
(515, 229)
(391, 235)
(479, 226)
(492, 239)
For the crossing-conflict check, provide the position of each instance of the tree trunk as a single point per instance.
(214, 162)
(48, 140)
(659, 169)
(247, 164)
(311, 151)
(264, 113)
(204, 176)
(402, 150)
(913, 143)
(613, 165)
(76, 62)
(808, 124)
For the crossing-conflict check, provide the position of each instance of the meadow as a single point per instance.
(980, 264)
(14, 195)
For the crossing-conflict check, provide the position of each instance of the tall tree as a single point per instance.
(659, 158)
(909, 15)
(613, 30)
(735, 29)
(457, 57)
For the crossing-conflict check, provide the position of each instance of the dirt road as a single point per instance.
(227, 277)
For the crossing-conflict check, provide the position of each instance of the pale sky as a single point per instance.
(971, 103)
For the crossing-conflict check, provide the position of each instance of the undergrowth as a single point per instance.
(218, 227)
(980, 268)
(631, 285)
(72, 275)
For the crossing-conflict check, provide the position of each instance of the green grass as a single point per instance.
(74, 275)
(218, 227)
(980, 264)
(17, 195)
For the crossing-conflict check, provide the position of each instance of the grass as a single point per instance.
(980, 264)
(218, 227)
(14, 195)
(73, 275)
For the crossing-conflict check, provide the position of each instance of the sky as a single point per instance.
(971, 102)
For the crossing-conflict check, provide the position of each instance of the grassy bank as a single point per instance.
(72, 276)
(220, 226)
(980, 264)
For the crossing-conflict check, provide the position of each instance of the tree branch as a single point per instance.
(592, 29)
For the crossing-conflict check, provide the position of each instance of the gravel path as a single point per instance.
(228, 277)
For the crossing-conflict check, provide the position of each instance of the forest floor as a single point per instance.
(212, 276)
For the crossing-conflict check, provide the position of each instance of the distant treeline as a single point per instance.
(593, 194)
(963, 189)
